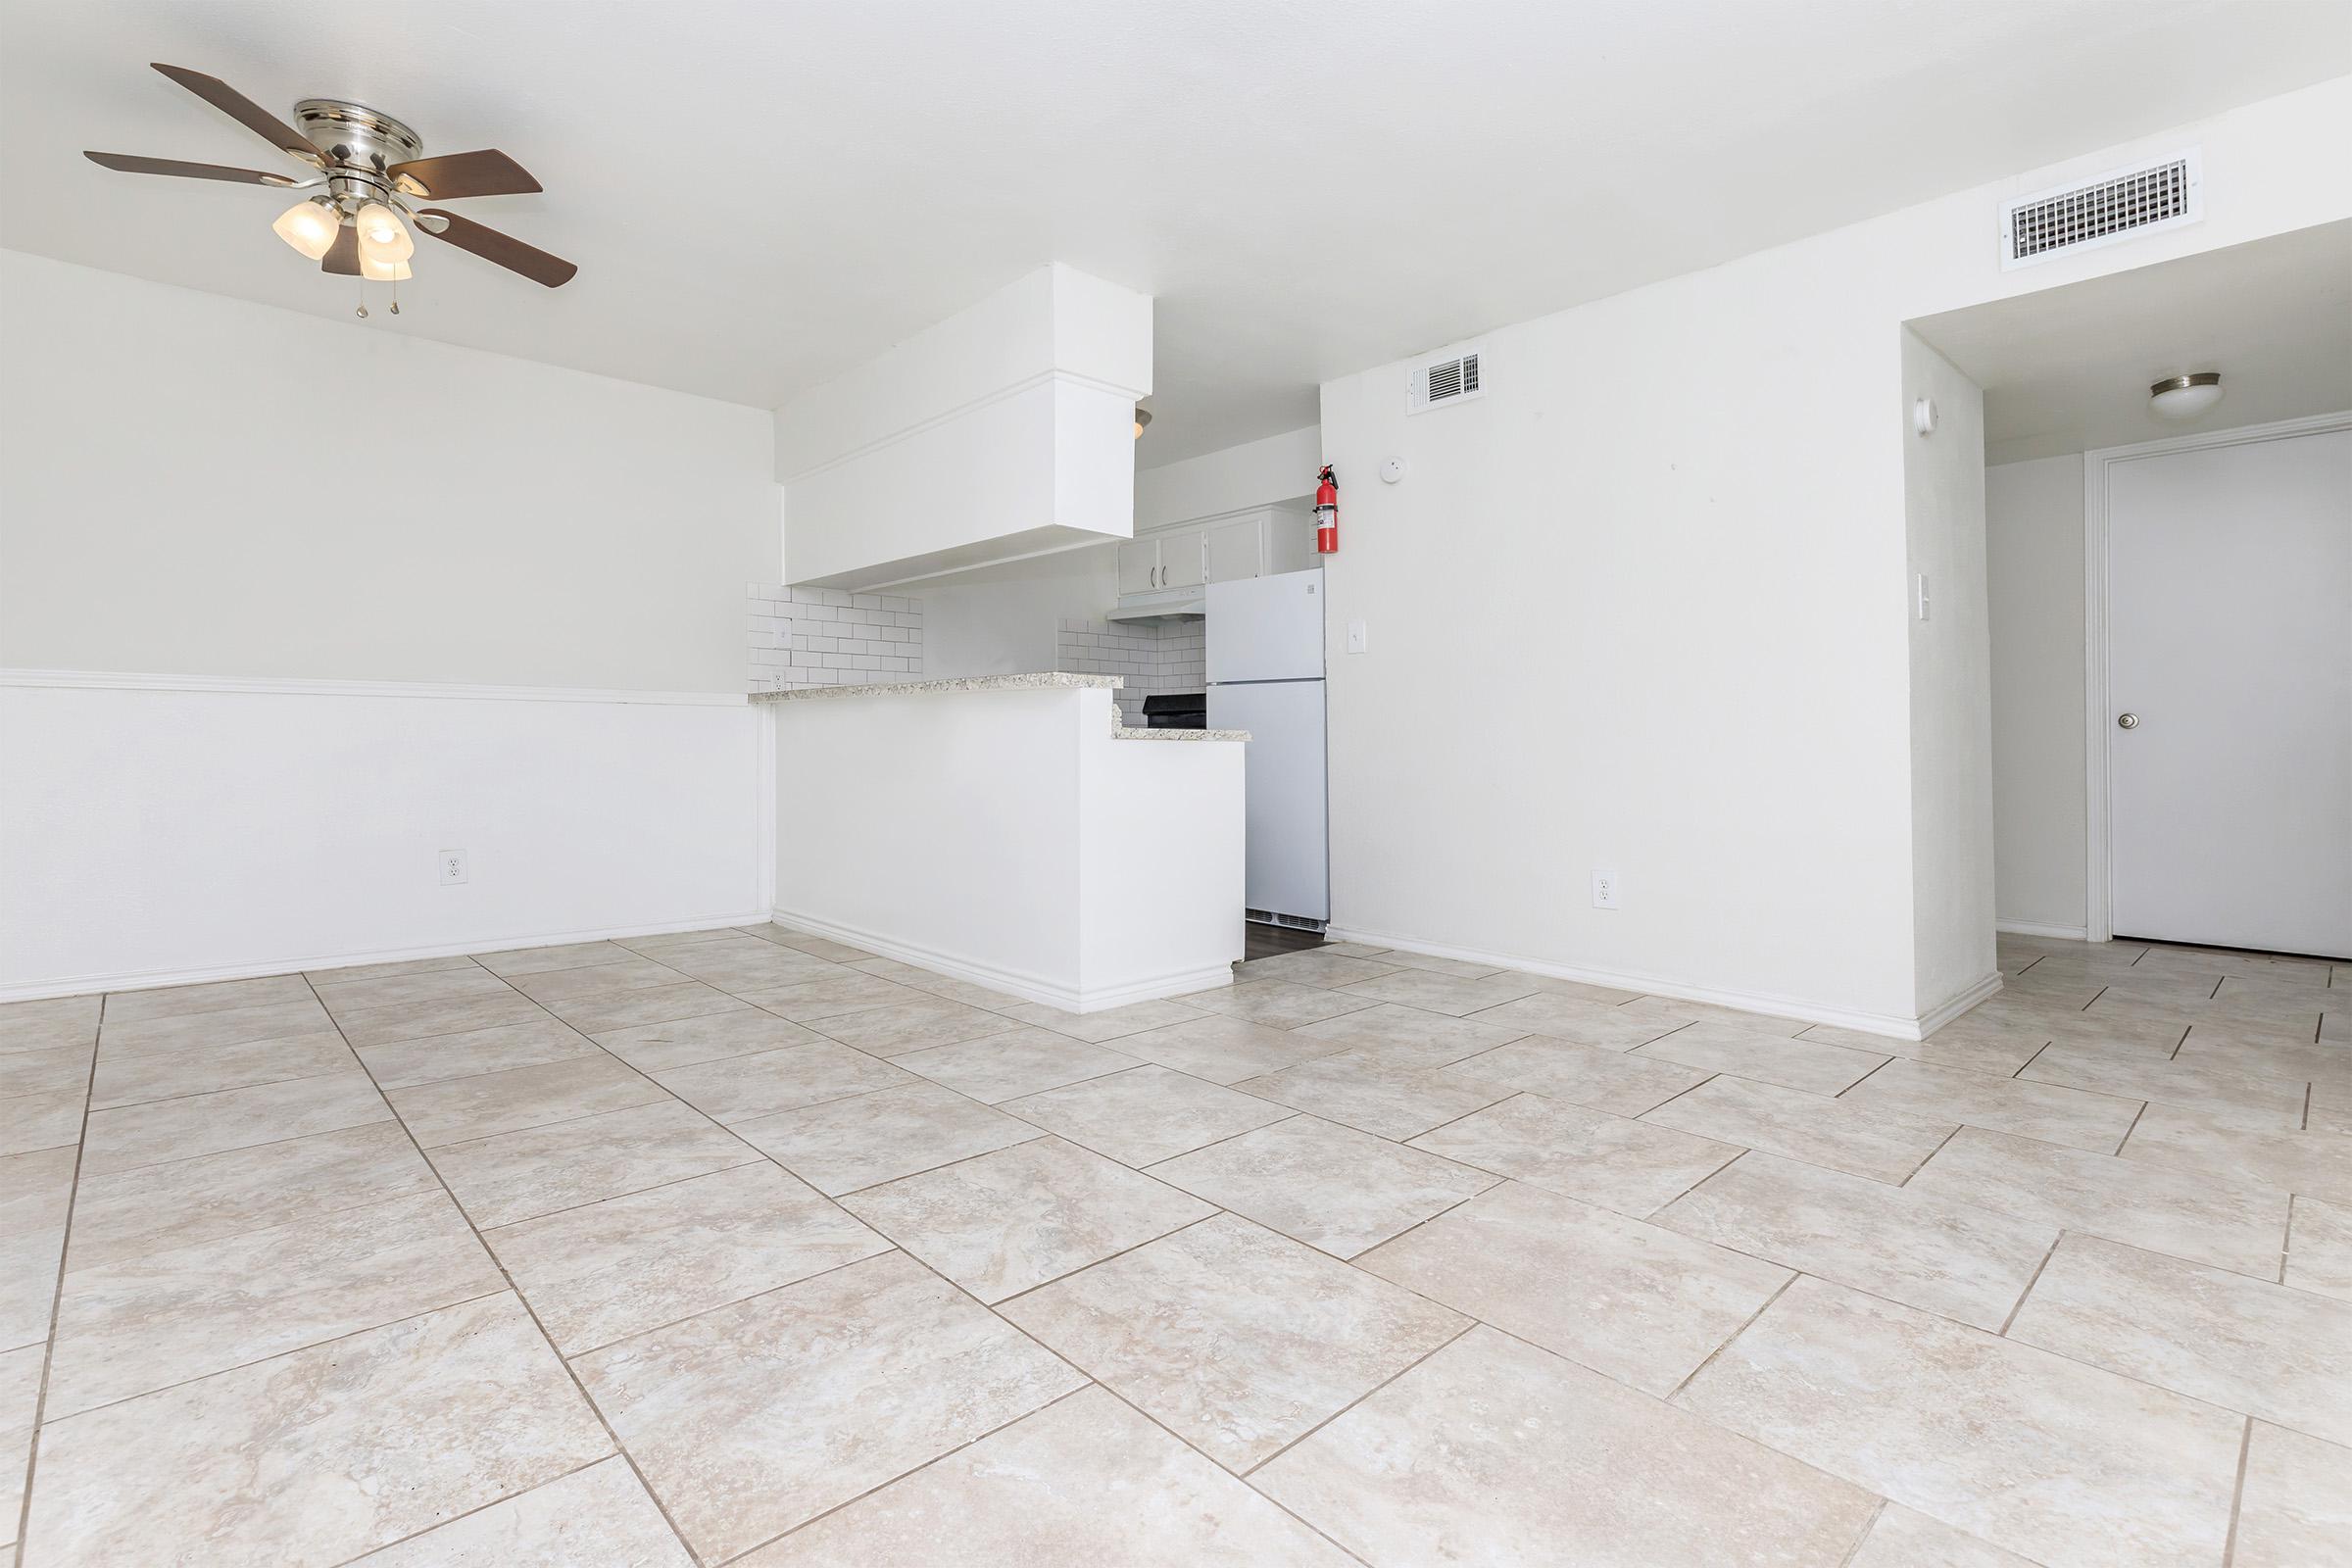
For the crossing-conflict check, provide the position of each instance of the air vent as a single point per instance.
(1451, 377)
(2120, 205)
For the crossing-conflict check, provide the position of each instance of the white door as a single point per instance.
(1288, 835)
(2229, 645)
(1139, 565)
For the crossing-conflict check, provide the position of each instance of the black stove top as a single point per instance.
(1176, 710)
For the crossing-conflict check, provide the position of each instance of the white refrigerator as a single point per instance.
(1265, 675)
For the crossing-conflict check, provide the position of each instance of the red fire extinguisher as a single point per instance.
(1327, 513)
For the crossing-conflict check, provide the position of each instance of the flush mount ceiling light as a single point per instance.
(373, 171)
(1143, 417)
(2185, 397)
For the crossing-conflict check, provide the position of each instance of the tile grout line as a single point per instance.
(1224, 1469)
(1940, 1149)
(1470, 1321)
(1732, 1337)
(2237, 1494)
(935, 1460)
(417, 1535)
(2127, 1132)
(889, 1247)
(1865, 1077)
(1146, 1170)
(1215, 1213)
(2019, 1305)
(57, 1297)
(531, 1313)
(1869, 1525)
(1651, 1217)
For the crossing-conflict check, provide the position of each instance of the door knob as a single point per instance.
(2127, 721)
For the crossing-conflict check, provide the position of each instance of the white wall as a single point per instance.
(1695, 494)
(1951, 689)
(201, 485)
(161, 833)
(2033, 553)
(1280, 468)
(384, 597)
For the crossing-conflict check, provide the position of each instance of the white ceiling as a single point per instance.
(2068, 369)
(760, 194)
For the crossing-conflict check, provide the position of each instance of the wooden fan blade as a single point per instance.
(490, 245)
(344, 255)
(245, 112)
(129, 163)
(489, 173)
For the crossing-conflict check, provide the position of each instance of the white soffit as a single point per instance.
(761, 196)
(2068, 369)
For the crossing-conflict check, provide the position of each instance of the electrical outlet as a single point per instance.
(1357, 638)
(452, 863)
(1604, 889)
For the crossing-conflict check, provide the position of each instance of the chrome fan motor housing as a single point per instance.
(360, 144)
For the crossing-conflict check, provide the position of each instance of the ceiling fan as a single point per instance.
(374, 172)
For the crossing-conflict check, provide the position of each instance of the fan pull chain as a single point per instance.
(396, 296)
(362, 311)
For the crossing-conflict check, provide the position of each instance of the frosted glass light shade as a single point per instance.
(375, 271)
(309, 227)
(2186, 397)
(382, 239)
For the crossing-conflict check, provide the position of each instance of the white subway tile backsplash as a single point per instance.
(824, 637)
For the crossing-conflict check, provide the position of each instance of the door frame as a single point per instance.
(2099, 882)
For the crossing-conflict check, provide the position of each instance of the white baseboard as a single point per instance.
(1936, 1017)
(1028, 987)
(2039, 928)
(1895, 1026)
(152, 979)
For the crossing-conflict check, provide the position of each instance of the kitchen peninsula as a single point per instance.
(1008, 830)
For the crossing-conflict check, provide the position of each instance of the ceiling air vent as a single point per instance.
(2123, 204)
(1451, 377)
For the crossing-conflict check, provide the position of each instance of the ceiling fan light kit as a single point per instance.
(372, 168)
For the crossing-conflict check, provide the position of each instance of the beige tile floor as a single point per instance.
(744, 1247)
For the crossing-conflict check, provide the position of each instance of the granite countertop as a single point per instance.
(1038, 681)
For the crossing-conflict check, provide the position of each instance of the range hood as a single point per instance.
(1176, 606)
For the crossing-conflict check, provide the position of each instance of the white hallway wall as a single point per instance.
(1697, 492)
(382, 597)
(2034, 545)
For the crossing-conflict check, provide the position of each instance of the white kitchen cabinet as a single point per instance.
(1161, 572)
(1139, 565)
(1182, 556)
(1238, 549)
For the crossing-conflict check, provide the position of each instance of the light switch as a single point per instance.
(1923, 596)
(1356, 637)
